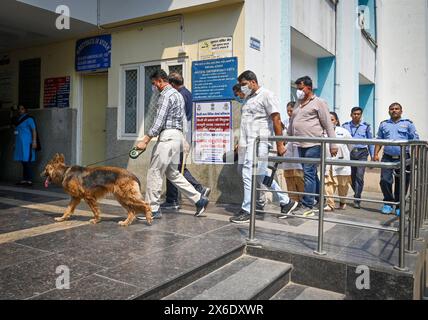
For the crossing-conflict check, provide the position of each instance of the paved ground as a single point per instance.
(110, 262)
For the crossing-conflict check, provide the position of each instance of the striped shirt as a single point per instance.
(170, 112)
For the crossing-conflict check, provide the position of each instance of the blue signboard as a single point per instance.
(255, 44)
(93, 53)
(214, 79)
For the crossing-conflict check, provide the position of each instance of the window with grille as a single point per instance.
(131, 99)
(29, 83)
(139, 106)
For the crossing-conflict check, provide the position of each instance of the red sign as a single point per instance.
(57, 92)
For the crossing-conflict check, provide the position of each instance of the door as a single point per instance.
(94, 118)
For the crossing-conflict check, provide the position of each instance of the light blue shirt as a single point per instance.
(361, 131)
(403, 129)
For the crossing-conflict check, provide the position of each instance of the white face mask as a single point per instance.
(246, 90)
(154, 89)
(300, 94)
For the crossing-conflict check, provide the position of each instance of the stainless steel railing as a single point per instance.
(418, 188)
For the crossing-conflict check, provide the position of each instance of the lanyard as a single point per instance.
(356, 130)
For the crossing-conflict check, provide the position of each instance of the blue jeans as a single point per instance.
(261, 173)
(312, 182)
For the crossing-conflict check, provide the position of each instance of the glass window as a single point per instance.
(150, 98)
(131, 98)
(139, 100)
(178, 68)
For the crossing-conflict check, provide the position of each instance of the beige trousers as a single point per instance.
(340, 183)
(164, 160)
(295, 182)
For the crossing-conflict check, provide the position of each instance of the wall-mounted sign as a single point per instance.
(255, 44)
(213, 131)
(57, 92)
(214, 79)
(93, 53)
(215, 48)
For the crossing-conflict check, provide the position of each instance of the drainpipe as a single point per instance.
(335, 57)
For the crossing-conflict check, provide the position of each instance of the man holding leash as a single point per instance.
(171, 203)
(168, 126)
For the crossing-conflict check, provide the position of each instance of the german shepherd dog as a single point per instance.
(91, 184)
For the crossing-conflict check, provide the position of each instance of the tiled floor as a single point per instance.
(109, 262)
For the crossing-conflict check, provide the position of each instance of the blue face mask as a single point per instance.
(240, 100)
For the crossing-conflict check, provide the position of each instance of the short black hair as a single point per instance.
(236, 87)
(307, 81)
(334, 114)
(176, 78)
(291, 104)
(159, 74)
(396, 104)
(248, 75)
(355, 109)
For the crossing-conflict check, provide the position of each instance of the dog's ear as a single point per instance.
(61, 158)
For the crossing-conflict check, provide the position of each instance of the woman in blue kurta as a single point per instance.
(25, 144)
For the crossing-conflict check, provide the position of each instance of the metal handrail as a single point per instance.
(418, 196)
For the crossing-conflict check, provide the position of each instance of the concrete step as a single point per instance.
(293, 291)
(245, 278)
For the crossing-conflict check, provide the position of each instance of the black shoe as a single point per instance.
(304, 211)
(241, 218)
(357, 205)
(155, 215)
(260, 207)
(206, 192)
(201, 205)
(170, 205)
(288, 208)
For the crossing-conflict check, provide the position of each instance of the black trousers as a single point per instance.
(27, 172)
(388, 177)
(357, 173)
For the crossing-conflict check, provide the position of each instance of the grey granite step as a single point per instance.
(245, 278)
(293, 291)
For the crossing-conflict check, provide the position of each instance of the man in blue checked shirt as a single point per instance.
(360, 152)
(395, 128)
(168, 127)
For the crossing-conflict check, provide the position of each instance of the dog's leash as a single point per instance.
(133, 154)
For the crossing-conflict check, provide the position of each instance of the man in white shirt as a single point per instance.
(260, 117)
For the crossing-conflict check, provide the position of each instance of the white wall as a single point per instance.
(367, 59)
(85, 10)
(114, 11)
(316, 20)
(347, 58)
(402, 60)
(263, 21)
(303, 64)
